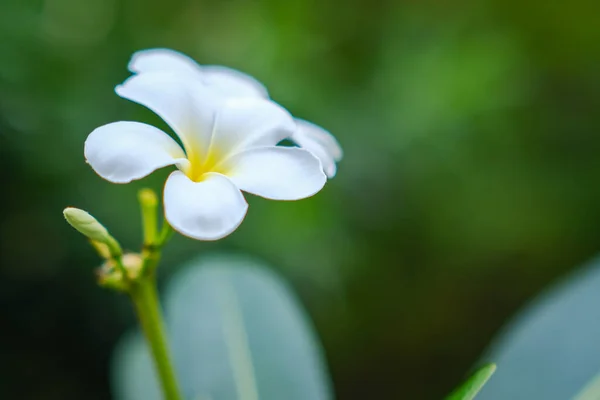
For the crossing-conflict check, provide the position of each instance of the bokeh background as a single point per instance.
(471, 177)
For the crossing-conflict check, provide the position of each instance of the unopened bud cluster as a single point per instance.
(112, 277)
(118, 269)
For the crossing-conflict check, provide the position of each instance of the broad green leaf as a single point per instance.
(236, 333)
(591, 391)
(133, 376)
(469, 389)
(552, 348)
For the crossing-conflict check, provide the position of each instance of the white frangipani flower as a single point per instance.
(233, 83)
(229, 145)
(319, 142)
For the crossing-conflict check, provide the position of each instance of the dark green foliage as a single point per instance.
(470, 181)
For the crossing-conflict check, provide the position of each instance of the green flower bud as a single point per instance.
(86, 224)
(148, 198)
(101, 248)
(148, 203)
(92, 229)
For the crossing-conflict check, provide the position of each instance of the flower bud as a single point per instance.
(86, 224)
(101, 248)
(94, 230)
(148, 198)
(148, 202)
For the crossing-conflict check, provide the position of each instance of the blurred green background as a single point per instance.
(471, 177)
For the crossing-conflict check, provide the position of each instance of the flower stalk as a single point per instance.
(144, 296)
(135, 274)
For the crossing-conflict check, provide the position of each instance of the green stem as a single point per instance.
(148, 207)
(165, 234)
(143, 293)
(145, 298)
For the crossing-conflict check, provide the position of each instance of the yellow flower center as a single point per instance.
(199, 165)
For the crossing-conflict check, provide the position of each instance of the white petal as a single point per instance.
(250, 122)
(228, 81)
(163, 60)
(278, 173)
(319, 142)
(233, 83)
(206, 210)
(188, 107)
(123, 151)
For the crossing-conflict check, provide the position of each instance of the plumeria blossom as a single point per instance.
(229, 145)
(235, 84)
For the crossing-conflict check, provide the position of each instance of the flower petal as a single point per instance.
(319, 142)
(233, 83)
(278, 173)
(184, 104)
(124, 151)
(228, 81)
(206, 210)
(250, 122)
(163, 60)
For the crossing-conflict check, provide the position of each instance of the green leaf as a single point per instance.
(550, 349)
(469, 389)
(591, 391)
(236, 333)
